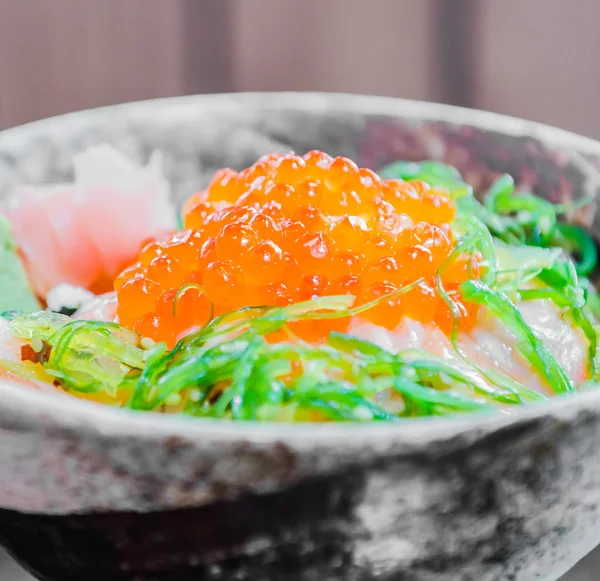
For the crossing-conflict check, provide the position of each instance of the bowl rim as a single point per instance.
(36, 409)
(308, 101)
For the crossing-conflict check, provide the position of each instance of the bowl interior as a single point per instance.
(199, 134)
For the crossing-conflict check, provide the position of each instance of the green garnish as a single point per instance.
(576, 241)
(435, 173)
(530, 346)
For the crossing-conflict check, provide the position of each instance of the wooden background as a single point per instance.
(536, 59)
(531, 58)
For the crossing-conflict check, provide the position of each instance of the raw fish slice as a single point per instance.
(490, 345)
(102, 308)
(84, 233)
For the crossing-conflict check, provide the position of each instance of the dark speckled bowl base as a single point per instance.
(513, 500)
(292, 530)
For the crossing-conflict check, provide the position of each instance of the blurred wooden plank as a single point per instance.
(382, 47)
(208, 46)
(456, 43)
(539, 59)
(65, 55)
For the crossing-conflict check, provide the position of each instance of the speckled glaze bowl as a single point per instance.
(96, 494)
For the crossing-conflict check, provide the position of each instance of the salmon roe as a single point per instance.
(292, 228)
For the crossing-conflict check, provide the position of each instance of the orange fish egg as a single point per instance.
(292, 228)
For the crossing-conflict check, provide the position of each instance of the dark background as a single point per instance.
(537, 59)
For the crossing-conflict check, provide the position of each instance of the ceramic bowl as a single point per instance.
(88, 492)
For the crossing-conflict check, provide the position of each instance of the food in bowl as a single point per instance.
(303, 288)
